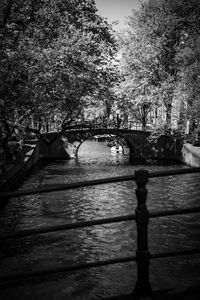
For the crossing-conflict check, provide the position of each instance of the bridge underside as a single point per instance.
(140, 146)
(74, 139)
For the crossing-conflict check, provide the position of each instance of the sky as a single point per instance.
(116, 10)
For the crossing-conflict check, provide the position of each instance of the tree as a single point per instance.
(53, 54)
(158, 32)
(188, 59)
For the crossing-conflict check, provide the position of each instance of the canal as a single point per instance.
(51, 250)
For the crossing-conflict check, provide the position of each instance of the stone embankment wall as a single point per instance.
(191, 155)
(52, 149)
(33, 152)
(11, 179)
(164, 148)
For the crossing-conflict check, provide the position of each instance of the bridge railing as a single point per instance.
(142, 215)
(94, 124)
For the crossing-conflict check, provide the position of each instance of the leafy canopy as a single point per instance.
(54, 54)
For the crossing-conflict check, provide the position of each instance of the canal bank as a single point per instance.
(17, 170)
(39, 149)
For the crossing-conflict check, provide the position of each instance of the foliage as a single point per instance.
(54, 54)
(160, 58)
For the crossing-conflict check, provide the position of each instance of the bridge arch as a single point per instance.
(66, 144)
(121, 140)
(73, 139)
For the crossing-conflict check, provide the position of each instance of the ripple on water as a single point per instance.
(103, 241)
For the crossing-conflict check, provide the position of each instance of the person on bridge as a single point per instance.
(118, 121)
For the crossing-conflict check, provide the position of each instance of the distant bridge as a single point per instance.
(66, 144)
(78, 136)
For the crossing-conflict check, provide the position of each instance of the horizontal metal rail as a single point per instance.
(175, 253)
(61, 187)
(68, 226)
(77, 267)
(178, 211)
(23, 233)
(142, 215)
(67, 268)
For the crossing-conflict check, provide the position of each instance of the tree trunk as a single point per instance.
(168, 116)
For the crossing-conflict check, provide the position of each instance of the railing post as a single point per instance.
(142, 287)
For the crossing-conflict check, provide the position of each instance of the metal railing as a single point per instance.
(141, 216)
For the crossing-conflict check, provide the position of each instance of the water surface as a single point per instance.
(98, 242)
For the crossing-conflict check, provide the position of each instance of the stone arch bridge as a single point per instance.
(65, 145)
